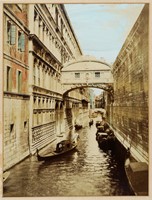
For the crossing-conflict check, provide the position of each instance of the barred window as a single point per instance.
(77, 75)
(97, 74)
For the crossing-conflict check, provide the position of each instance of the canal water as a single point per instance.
(87, 171)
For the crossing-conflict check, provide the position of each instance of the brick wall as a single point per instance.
(130, 71)
(16, 122)
(16, 76)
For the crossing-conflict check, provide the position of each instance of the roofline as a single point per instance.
(130, 32)
(80, 61)
(70, 25)
(82, 70)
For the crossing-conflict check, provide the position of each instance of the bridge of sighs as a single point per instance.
(87, 72)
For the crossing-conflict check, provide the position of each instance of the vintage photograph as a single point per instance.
(75, 99)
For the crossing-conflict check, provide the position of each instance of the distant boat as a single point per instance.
(77, 126)
(90, 122)
(98, 123)
(5, 175)
(62, 147)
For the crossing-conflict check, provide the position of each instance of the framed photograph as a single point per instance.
(75, 111)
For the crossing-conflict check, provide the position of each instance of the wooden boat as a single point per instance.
(137, 174)
(5, 175)
(62, 147)
(98, 123)
(105, 140)
(90, 122)
(77, 126)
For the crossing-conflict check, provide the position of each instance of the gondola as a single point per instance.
(78, 127)
(62, 147)
(105, 140)
(90, 122)
(98, 123)
(137, 174)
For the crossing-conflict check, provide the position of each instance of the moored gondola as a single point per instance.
(90, 122)
(137, 174)
(78, 127)
(106, 140)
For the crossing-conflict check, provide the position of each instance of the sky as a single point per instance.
(102, 29)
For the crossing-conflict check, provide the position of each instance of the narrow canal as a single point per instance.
(88, 171)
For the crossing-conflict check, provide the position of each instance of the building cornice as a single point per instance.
(34, 37)
(13, 59)
(70, 26)
(127, 46)
(16, 95)
(46, 92)
(53, 27)
(39, 57)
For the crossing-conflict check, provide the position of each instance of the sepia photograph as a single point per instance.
(75, 99)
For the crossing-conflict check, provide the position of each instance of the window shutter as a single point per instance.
(19, 40)
(12, 34)
(22, 42)
(8, 32)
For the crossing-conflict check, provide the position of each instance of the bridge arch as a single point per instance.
(106, 87)
(87, 71)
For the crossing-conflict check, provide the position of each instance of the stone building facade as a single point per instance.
(15, 85)
(100, 100)
(92, 99)
(38, 41)
(52, 43)
(129, 114)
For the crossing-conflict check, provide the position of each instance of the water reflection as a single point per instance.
(87, 171)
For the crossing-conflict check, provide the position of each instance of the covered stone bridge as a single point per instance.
(87, 71)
